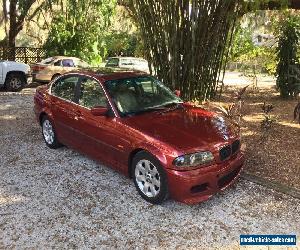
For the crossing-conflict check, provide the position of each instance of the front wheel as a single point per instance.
(49, 134)
(149, 177)
(15, 82)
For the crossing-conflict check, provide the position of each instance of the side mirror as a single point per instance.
(177, 93)
(99, 111)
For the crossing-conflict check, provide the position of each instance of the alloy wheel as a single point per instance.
(48, 132)
(147, 178)
(15, 83)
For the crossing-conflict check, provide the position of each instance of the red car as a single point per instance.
(135, 124)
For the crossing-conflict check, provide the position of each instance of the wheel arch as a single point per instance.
(45, 112)
(130, 158)
(15, 72)
(155, 152)
(54, 76)
(42, 114)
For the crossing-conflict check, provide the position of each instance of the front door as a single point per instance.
(100, 135)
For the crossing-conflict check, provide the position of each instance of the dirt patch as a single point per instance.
(274, 155)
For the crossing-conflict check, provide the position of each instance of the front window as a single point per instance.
(81, 64)
(91, 94)
(140, 94)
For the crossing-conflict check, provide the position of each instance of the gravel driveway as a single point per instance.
(62, 199)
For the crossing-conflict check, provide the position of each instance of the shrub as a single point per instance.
(288, 39)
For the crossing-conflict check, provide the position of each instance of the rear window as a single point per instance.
(48, 60)
(126, 61)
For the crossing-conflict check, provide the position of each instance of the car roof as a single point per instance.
(106, 74)
(64, 57)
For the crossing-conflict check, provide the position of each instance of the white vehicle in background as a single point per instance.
(13, 75)
(132, 63)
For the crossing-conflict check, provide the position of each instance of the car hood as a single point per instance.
(186, 129)
(15, 64)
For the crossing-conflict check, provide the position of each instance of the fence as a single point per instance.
(22, 54)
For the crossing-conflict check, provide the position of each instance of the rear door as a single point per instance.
(64, 108)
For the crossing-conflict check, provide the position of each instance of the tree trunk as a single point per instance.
(12, 23)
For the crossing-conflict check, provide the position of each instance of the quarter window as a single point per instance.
(92, 94)
(57, 63)
(65, 88)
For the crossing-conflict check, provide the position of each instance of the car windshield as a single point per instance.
(81, 64)
(140, 94)
(112, 62)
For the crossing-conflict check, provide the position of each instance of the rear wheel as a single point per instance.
(49, 133)
(15, 82)
(149, 177)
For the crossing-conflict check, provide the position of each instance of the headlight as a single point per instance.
(195, 159)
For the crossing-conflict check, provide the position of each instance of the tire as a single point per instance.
(149, 177)
(15, 82)
(55, 76)
(49, 133)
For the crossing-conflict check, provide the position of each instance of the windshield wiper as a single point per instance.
(177, 106)
(163, 108)
(151, 109)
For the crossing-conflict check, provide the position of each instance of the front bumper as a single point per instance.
(198, 185)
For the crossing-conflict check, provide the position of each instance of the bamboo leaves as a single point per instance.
(186, 41)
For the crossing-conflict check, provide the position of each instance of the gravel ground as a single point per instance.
(62, 199)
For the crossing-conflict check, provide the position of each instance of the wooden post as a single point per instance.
(25, 54)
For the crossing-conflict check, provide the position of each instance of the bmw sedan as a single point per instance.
(135, 124)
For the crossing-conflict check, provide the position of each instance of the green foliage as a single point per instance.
(78, 29)
(122, 43)
(242, 44)
(244, 50)
(185, 41)
(288, 41)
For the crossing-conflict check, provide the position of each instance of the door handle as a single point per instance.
(78, 114)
